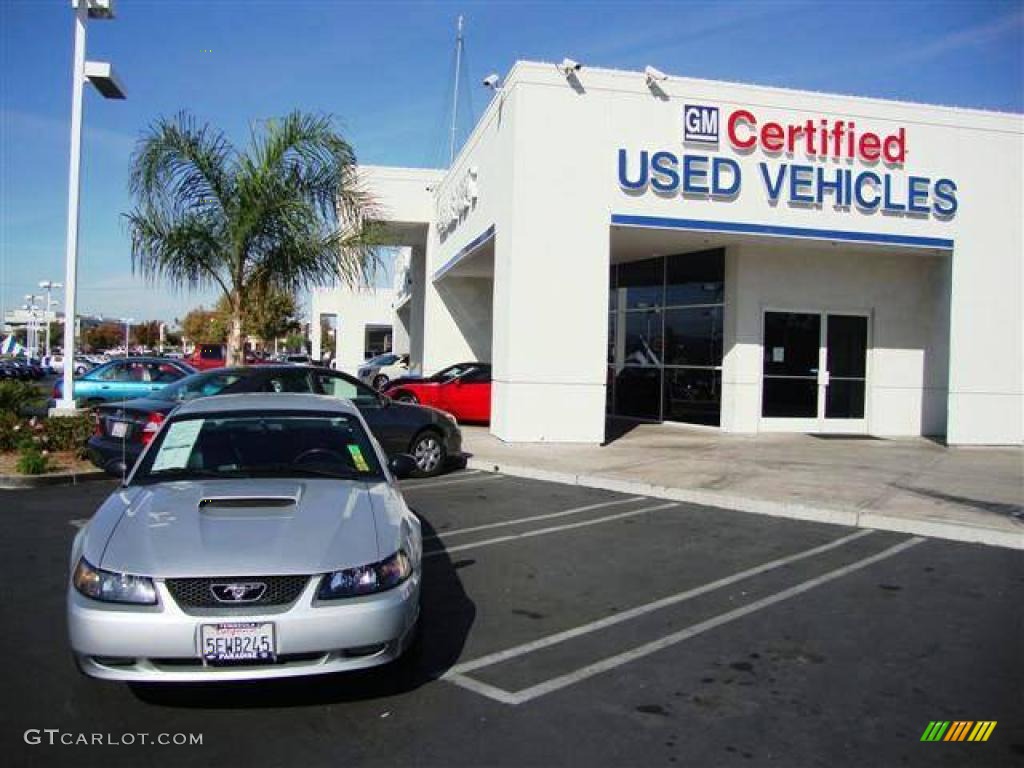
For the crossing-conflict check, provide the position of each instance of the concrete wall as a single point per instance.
(905, 298)
(355, 310)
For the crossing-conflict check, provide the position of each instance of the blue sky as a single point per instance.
(384, 69)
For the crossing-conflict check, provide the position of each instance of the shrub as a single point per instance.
(67, 433)
(15, 395)
(11, 429)
(32, 461)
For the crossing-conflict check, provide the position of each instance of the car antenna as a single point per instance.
(124, 446)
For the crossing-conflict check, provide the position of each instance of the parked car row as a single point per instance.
(123, 429)
(123, 378)
(21, 369)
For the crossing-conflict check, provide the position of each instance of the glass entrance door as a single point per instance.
(846, 354)
(814, 372)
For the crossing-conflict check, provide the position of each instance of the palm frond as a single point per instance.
(182, 249)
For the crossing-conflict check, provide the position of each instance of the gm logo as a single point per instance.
(700, 124)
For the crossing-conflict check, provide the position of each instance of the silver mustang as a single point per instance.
(258, 536)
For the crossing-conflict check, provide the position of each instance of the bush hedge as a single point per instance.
(15, 395)
(32, 461)
(60, 433)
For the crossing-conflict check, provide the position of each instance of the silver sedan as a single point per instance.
(258, 536)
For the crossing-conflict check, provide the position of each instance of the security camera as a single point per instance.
(654, 74)
(491, 81)
(568, 66)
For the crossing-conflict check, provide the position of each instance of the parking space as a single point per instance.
(567, 625)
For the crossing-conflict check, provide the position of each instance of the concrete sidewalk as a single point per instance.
(908, 485)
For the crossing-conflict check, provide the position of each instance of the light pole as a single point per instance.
(48, 286)
(31, 340)
(127, 332)
(101, 75)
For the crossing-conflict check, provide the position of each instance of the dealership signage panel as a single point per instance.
(876, 180)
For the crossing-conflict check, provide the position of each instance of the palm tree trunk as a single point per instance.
(236, 354)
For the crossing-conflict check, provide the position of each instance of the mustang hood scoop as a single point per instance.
(244, 527)
(258, 505)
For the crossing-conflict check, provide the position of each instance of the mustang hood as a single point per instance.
(260, 527)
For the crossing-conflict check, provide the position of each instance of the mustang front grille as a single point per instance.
(236, 591)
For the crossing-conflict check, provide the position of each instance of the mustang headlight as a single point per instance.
(113, 587)
(366, 579)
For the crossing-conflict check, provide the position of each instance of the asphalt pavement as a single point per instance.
(573, 626)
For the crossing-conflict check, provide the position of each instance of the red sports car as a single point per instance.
(463, 390)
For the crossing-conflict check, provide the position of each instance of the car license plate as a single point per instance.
(118, 429)
(225, 643)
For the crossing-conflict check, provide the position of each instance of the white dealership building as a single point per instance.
(744, 258)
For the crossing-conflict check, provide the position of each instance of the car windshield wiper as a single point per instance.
(185, 472)
(298, 469)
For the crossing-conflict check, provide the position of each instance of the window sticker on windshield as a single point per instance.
(177, 445)
(357, 457)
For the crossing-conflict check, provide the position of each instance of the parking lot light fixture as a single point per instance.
(49, 286)
(127, 332)
(101, 75)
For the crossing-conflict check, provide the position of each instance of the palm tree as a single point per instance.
(286, 214)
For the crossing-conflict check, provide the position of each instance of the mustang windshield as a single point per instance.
(244, 444)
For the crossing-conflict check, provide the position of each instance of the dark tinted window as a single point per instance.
(643, 281)
(477, 376)
(201, 385)
(339, 385)
(695, 278)
(296, 380)
(693, 336)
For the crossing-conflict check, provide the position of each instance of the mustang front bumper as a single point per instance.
(161, 643)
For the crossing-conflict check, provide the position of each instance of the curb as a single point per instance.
(851, 518)
(27, 482)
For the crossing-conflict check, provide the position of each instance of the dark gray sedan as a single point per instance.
(431, 436)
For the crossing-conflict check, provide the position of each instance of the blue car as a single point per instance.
(125, 378)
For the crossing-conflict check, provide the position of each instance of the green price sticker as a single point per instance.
(357, 457)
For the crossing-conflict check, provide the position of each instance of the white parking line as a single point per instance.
(632, 613)
(618, 660)
(427, 484)
(532, 518)
(545, 531)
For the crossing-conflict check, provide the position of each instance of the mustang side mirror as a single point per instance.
(402, 465)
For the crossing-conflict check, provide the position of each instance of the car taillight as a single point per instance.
(152, 427)
(56, 390)
(97, 422)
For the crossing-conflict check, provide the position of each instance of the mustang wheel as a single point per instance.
(380, 381)
(406, 397)
(429, 452)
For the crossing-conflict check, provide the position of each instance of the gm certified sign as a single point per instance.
(700, 124)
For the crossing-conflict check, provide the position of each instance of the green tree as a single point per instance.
(205, 326)
(147, 334)
(103, 336)
(285, 214)
(269, 314)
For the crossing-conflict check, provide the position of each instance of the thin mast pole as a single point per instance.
(455, 96)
